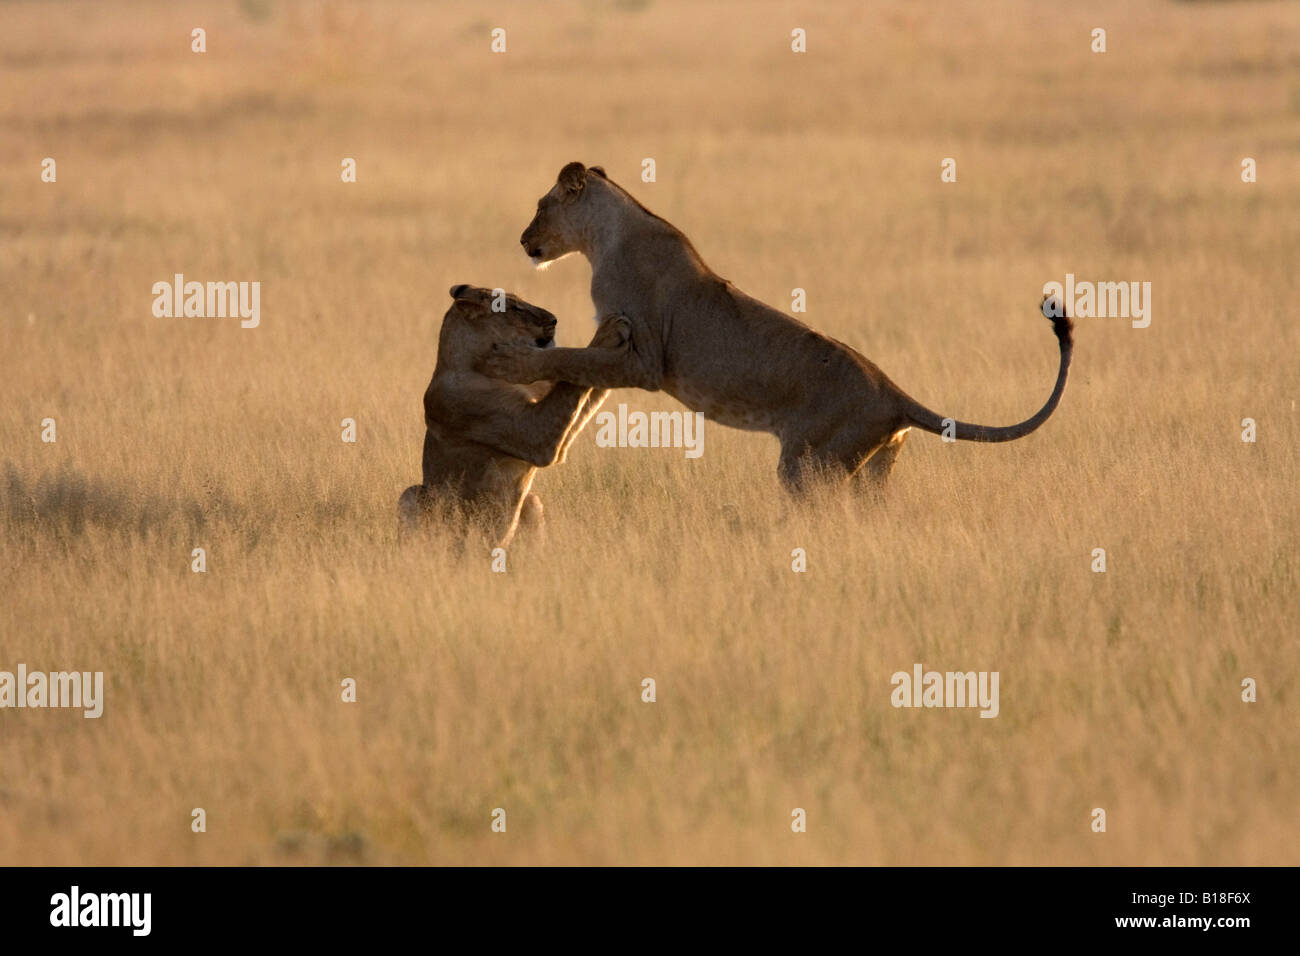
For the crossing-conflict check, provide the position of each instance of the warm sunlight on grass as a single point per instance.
(522, 691)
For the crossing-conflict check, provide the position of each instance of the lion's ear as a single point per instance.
(469, 293)
(573, 178)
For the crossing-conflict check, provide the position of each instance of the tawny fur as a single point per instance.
(485, 438)
(700, 339)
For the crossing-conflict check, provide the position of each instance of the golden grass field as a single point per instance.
(522, 690)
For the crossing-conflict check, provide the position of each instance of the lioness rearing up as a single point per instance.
(718, 351)
(485, 439)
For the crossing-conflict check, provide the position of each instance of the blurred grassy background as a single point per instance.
(522, 690)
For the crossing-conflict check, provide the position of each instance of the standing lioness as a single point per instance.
(485, 439)
(718, 351)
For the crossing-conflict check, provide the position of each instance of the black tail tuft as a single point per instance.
(1054, 309)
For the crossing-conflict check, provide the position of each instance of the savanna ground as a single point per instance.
(522, 690)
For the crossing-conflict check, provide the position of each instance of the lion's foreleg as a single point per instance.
(591, 404)
(636, 362)
(531, 517)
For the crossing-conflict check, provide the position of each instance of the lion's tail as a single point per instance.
(923, 418)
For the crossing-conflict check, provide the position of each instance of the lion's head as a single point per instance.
(557, 228)
(480, 318)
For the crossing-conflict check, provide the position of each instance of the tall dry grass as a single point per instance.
(478, 690)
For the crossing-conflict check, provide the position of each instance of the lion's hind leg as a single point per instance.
(834, 459)
(877, 468)
(804, 469)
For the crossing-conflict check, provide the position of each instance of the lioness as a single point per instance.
(718, 351)
(485, 439)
